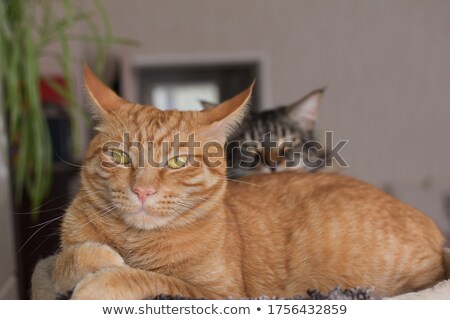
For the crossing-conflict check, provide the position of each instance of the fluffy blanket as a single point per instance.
(42, 288)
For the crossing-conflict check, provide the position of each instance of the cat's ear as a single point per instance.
(223, 118)
(306, 110)
(103, 98)
(207, 105)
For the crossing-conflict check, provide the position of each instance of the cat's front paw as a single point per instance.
(92, 287)
(76, 262)
(106, 284)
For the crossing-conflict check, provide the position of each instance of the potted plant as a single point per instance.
(27, 30)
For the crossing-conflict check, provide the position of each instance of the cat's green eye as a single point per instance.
(177, 162)
(120, 157)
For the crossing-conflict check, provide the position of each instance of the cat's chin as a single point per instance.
(144, 220)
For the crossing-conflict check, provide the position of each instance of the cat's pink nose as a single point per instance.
(143, 193)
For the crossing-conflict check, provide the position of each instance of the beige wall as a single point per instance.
(386, 64)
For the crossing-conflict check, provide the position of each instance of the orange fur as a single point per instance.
(202, 235)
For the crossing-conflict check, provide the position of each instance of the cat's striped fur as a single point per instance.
(291, 127)
(195, 233)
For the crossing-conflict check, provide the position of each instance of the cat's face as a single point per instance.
(290, 131)
(136, 171)
(298, 152)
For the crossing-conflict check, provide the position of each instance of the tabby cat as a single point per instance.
(291, 127)
(183, 229)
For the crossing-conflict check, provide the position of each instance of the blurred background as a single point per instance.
(385, 64)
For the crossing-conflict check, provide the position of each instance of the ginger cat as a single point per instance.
(137, 230)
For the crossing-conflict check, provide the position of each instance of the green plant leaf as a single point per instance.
(27, 28)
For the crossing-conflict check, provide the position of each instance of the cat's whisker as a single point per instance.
(42, 205)
(90, 196)
(98, 215)
(101, 213)
(69, 163)
(31, 237)
(47, 222)
(42, 242)
(52, 209)
(236, 180)
(87, 190)
(42, 226)
(38, 212)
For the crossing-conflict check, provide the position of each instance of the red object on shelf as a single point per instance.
(48, 95)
